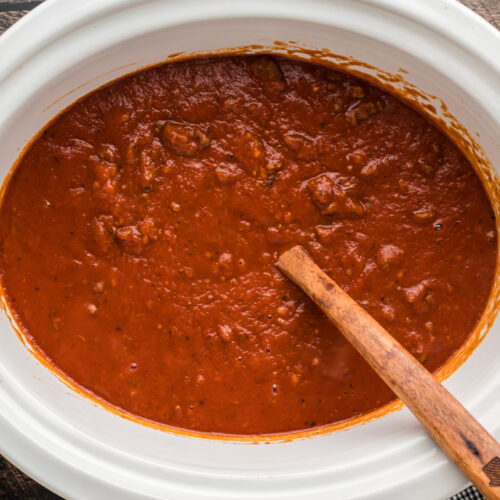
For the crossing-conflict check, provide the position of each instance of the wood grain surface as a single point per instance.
(14, 485)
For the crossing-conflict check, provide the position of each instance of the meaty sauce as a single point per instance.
(140, 230)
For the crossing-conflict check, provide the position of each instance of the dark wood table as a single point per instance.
(14, 485)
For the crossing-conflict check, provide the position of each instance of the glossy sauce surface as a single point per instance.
(140, 230)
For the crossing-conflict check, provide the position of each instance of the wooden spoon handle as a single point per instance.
(456, 431)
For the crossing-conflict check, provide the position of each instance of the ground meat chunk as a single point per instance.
(147, 169)
(357, 91)
(424, 214)
(104, 171)
(147, 227)
(322, 190)
(131, 239)
(332, 199)
(388, 312)
(352, 258)
(304, 146)
(421, 296)
(278, 236)
(266, 70)
(418, 345)
(257, 158)
(251, 152)
(103, 230)
(227, 174)
(344, 206)
(108, 152)
(184, 139)
(328, 234)
(388, 255)
(152, 158)
(361, 111)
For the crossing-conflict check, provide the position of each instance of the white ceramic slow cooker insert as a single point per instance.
(65, 49)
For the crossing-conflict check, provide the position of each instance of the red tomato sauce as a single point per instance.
(139, 235)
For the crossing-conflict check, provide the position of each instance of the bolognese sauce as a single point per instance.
(140, 230)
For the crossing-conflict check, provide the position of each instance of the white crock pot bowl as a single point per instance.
(66, 48)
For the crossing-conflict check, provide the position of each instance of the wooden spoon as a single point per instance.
(453, 428)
